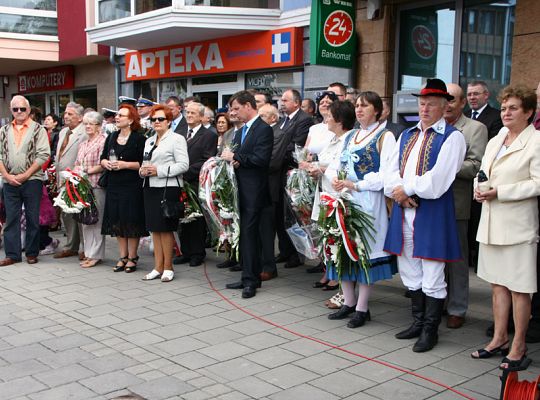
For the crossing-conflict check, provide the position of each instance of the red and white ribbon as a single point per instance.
(336, 206)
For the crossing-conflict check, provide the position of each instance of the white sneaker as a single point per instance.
(50, 249)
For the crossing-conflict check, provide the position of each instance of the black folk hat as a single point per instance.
(435, 87)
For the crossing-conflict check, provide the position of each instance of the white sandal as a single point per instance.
(167, 276)
(151, 275)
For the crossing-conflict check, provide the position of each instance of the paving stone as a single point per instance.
(180, 345)
(161, 388)
(400, 389)
(18, 370)
(287, 376)
(323, 363)
(31, 324)
(111, 381)
(262, 340)
(195, 395)
(135, 326)
(72, 391)
(20, 387)
(444, 377)
(109, 363)
(63, 375)
(23, 353)
(234, 369)
(175, 331)
(225, 351)
(273, 357)
(342, 383)
(28, 337)
(254, 387)
(102, 321)
(194, 360)
(67, 342)
(303, 392)
(409, 359)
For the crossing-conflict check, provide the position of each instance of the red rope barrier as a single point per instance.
(330, 345)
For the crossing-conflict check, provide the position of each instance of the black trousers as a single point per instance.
(193, 239)
(286, 248)
(250, 245)
(267, 232)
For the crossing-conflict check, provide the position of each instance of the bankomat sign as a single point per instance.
(262, 50)
(332, 34)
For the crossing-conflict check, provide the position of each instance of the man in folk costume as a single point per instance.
(422, 230)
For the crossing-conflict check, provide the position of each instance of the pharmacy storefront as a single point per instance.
(213, 70)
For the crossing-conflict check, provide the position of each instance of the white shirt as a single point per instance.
(175, 122)
(435, 182)
(290, 116)
(319, 137)
(195, 130)
(479, 111)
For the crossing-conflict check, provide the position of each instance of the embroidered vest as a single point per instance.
(435, 231)
(362, 159)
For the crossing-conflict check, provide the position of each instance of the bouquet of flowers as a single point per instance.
(77, 197)
(345, 232)
(51, 181)
(300, 188)
(218, 192)
(192, 209)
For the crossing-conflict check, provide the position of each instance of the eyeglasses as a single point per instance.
(122, 115)
(17, 109)
(475, 94)
(160, 119)
(90, 124)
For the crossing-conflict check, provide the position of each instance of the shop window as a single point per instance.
(110, 10)
(28, 24)
(426, 45)
(48, 5)
(275, 83)
(177, 87)
(86, 97)
(146, 89)
(211, 80)
(486, 51)
(142, 6)
(235, 3)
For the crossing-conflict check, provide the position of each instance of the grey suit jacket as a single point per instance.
(476, 138)
(68, 158)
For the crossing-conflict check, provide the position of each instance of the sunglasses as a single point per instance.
(331, 95)
(17, 109)
(160, 119)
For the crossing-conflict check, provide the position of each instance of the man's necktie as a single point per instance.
(65, 142)
(190, 134)
(244, 133)
(474, 114)
(286, 123)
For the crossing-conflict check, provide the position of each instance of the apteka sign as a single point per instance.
(262, 50)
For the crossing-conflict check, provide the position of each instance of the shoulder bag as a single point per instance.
(171, 209)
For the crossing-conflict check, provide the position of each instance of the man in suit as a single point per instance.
(480, 110)
(476, 137)
(396, 129)
(251, 158)
(208, 120)
(270, 115)
(296, 125)
(178, 124)
(202, 144)
(69, 140)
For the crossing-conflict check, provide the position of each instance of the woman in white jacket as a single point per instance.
(165, 160)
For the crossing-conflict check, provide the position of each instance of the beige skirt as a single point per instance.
(511, 266)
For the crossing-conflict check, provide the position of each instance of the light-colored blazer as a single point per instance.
(170, 152)
(67, 160)
(512, 218)
(476, 138)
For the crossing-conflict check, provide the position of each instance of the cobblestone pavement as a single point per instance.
(72, 333)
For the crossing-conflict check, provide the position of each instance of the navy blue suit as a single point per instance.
(253, 193)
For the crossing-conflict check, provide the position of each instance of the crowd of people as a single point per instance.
(458, 189)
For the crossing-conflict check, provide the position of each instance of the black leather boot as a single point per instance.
(418, 299)
(432, 318)
(343, 312)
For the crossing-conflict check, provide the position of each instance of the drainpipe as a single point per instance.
(112, 60)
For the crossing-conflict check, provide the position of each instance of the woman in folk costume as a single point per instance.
(364, 157)
(422, 231)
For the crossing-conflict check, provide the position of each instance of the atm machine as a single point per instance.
(405, 108)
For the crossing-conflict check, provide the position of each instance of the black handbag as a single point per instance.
(171, 209)
(88, 215)
(103, 180)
